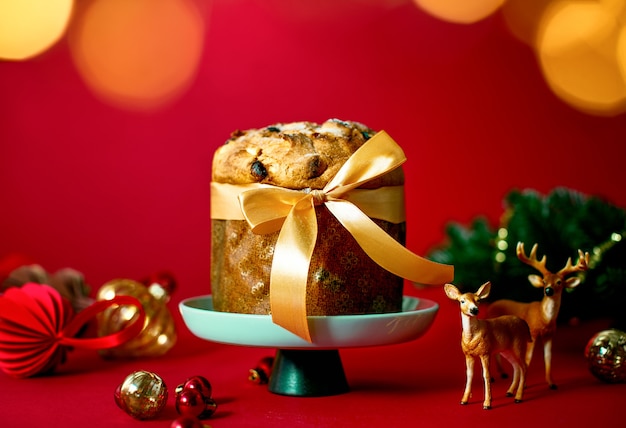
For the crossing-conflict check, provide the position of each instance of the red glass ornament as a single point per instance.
(200, 384)
(210, 406)
(190, 403)
(187, 422)
(117, 395)
(165, 279)
(262, 372)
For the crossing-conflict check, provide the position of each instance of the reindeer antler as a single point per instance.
(532, 261)
(583, 264)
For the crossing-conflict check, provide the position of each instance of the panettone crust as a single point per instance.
(297, 155)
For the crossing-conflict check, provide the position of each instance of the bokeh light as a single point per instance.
(460, 11)
(138, 54)
(522, 17)
(577, 46)
(30, 27)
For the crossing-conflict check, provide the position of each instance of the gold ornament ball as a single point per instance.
(606, 355)
(142, 395)
(159, 333)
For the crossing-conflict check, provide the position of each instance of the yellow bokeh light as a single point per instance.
(576, 46)
(621, 52)
(614, 7)
(29, 27)
(138, 54)
(460, 11)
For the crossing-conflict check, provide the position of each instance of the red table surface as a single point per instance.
(417, 383)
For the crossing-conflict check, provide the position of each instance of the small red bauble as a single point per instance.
(200, 384)
(187, 422)
(210, 406)
(262, 372)
(164, 279)
(117, 396)
(190, 402)
(193, 398)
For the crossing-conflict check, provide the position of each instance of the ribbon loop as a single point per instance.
(66, 337)
(293, 213)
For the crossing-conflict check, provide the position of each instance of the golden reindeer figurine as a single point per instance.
(507, 335)
(541, 316)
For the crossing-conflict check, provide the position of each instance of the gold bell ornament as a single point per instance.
(159, 332)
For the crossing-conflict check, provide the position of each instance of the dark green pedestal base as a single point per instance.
(308, 373)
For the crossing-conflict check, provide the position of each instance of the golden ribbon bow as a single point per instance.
(268, 209)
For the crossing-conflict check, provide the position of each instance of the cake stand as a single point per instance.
(301, 368)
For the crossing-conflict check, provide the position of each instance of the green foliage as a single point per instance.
(560, 223)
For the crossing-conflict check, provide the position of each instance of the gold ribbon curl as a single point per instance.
(268, 209)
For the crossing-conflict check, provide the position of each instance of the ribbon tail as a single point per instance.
(386, 251)
(290, 269)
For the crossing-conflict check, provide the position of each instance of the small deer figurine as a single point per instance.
(507, 335)
(541, 316)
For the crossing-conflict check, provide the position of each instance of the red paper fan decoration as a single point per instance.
(38, 325)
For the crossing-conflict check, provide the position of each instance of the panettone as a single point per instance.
(304, 157)
(301, 155)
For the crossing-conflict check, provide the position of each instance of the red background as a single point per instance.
(115, 193)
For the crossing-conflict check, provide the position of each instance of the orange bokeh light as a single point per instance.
(523, 16)
(460, 11)
(138, 54)
(577, 47)
(29, 27)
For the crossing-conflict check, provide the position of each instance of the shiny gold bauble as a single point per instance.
(142, 395)
(159, 333)
(606, 355)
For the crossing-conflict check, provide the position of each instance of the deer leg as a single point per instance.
(469, 372)
(547, 358)
(516, 376)
(519, 376)
(530, 347)
(515, 363)
(522, 382)
(487, 381)
(499, 368)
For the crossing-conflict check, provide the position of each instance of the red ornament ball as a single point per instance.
(200, 384)
(190, 403)
(210, 406)
(262, 372)
(187, 422)
(164, 279)
(193, 398)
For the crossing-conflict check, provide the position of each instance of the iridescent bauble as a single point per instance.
(606, 355)
(159, 333)
(142, 394)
